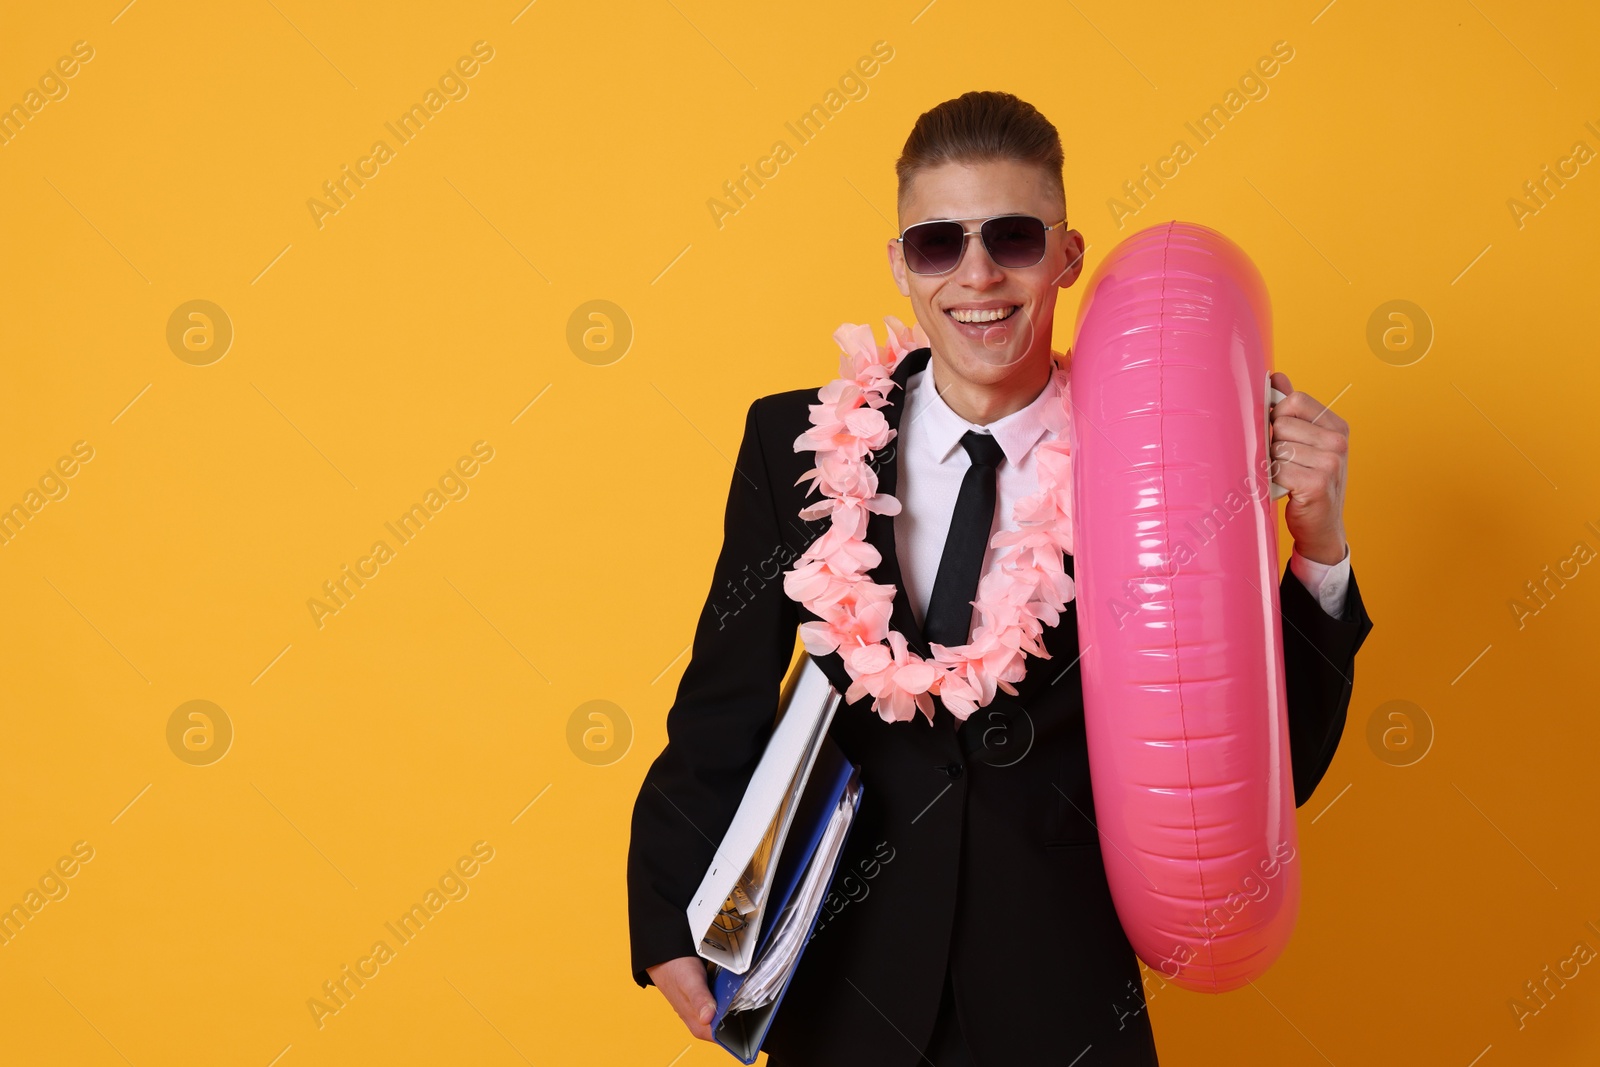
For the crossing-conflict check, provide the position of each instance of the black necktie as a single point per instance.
(949, 618)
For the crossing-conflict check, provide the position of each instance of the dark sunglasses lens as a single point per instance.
(933, 247)
(1014, 240)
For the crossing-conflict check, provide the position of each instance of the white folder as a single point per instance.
(725, 913)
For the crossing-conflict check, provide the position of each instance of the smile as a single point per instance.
(986, 315)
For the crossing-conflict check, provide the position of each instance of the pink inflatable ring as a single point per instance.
(1176, 542)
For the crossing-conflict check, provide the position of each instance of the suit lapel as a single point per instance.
(880, 528)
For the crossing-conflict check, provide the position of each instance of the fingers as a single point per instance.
(1307, 407)
(700, 1020)
(702, 1030)
(1299, 455)
(683, 982)
(1302, 482)
(696, 1013)
(1299, 431)
(695, 1007)
(1304, 405)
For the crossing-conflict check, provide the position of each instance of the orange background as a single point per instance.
(241, 860)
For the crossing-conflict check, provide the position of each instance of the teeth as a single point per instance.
(971, 315)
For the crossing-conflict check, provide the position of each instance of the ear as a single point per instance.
(897, 267)
(1073, 248)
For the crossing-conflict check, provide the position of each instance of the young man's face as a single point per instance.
(992, 352)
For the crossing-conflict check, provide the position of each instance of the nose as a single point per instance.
(975, 269)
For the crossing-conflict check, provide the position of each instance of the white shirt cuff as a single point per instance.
(1327, 582)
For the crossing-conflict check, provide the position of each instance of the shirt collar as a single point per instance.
(1017, 432)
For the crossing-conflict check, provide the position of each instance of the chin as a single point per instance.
(980, 364)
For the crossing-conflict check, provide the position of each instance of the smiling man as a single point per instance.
(981, 930)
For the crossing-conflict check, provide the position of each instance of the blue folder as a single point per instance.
(832, 779)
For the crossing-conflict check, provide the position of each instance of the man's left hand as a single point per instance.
(1309, 448)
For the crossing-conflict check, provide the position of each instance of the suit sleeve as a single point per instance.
(720, 720)
(1319, 655)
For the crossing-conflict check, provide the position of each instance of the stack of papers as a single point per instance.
(726, 912)
(776, 962)
(760, 899)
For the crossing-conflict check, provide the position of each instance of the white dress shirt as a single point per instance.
(932, 464)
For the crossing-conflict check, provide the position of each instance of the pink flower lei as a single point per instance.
(1028, 591)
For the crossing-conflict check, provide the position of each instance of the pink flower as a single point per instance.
(864, 622)
(903, 339)
(830, 426)
(859, 347)
(850, 596)
(895, 676)
(974, 669)
(844, 546)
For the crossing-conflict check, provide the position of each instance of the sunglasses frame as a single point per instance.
(978, 233)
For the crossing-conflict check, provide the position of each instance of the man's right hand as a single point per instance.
(683, 982)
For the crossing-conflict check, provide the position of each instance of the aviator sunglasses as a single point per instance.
(1011, 241)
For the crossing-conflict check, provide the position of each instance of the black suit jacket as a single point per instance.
(974, 847)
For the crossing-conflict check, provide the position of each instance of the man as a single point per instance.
(979, 928)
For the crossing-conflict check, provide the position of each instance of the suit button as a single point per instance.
(954, 770)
